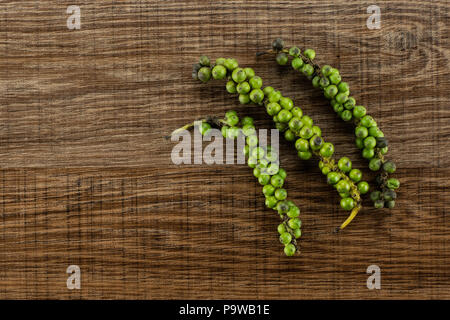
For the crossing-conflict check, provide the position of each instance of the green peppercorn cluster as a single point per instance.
(295, 125)
(264, 162)
(369, 138)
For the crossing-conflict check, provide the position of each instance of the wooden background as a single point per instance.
(86, 177)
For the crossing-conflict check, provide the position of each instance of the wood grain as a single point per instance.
(87, 179)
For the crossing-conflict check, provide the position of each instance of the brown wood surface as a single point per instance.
(86, 176)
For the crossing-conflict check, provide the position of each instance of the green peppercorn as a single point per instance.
(379, 204)
(281, 194)
(383, 150)
(233, 132)
(271, 202)
(282, 207)
(375, 164)
(256, 172)
(247, 121)
(375, 195)
(307, 69)
(282, 58)
(343, 186)
(359, 112)
(281, 228)
(326, 70)
(327, 150)
(285, 238)
(246, 150)
(390, 204)
(196, 67)
(252, 141)
(294, 51)
(268, 190)
(284, 116)
(346, 115)
(316, 130)
(341, 97)
(297, 112)
(289, 250)
(370, 142)
(244, 98)
(335, 78)
(343, 87)
(389, 195)
(338, 108)
(302, 144)
(389, 167)
(231, 87)
(304, 155)
(224, 131)
(293, 212)
(252, 162)
(250, 73)
(219, 72)
(344, 164)
(306, 132)
(264, 179)
(350, 103)
(204, 61)
(282, 173)
(359, 143)
(248, 130)
(297, 233)
(382, 143)
(256, 95)
(315, 81)
(257, 153)
(297, 63)
(231, 119)
(238, 75)
(280, 126)
(275, 96)
(347, 203)
(333, 178)
(324, 82)
(294, 223)
(256, 82)
(326, 170)
(272, 169)
(268, 90)
(344, 195)
(273, 108)
(307, 121)
(361, 132)
(289, 135)
(204, 74)
(363, 187)
(276, 181)
(310, 54)
(205, 128)
(368, 153)
(278, 44)
(286, 103)
(220, 61)
(355, 175)
(368, 121)
(243, 87)
(295, 124)
(331, 90)
(316, 142)
(393, 183)
(230, 64)
(375, 132)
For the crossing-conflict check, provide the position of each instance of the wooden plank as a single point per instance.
(87, 179)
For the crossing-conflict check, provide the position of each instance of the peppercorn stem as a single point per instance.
(352, 215)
